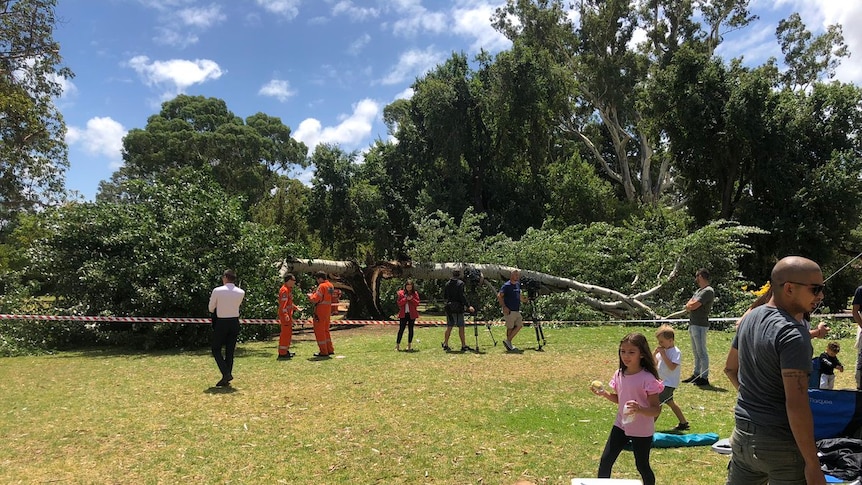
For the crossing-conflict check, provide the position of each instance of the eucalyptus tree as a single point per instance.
(611, 72)
(33, 152)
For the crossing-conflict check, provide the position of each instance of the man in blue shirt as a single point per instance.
(509, 297)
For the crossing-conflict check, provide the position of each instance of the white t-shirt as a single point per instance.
(670, 378)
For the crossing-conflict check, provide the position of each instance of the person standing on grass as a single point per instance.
(668, 358)
(636, 389)
(509, 298)
(769, 363)
(408, 312)
(285, 316)
(828, 363)
(322, 300)
(698, 307)
(224, 305)
(857, 317)
(456, 303)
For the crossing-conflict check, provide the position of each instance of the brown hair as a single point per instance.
(665, 331)
(647, 360)
(834, 346)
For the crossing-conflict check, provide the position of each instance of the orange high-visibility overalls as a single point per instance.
(322, 299)
(285, 317)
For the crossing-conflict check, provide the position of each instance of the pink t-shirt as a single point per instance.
(635, 387)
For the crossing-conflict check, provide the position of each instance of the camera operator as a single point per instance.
(509, 297)
(456, 305)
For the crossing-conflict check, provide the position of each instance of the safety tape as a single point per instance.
(265, 321)
(244, 321)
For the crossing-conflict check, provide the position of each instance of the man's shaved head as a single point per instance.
(793, 268)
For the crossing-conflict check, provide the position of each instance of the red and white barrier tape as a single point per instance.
(244, 321)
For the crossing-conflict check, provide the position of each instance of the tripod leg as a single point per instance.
(488, 326)
(476, 333)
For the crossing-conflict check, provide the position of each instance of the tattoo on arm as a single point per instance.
(799, 377)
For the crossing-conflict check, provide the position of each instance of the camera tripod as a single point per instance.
(540, 333)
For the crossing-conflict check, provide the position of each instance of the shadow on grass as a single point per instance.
(712, 388)
(220, 390)
(126, 352)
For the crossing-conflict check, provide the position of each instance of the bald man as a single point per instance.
(769, 363)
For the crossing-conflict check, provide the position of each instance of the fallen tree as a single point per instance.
(362, 285)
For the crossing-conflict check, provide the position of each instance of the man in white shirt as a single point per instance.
(224, 304)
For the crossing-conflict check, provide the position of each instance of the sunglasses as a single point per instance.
(815, 287)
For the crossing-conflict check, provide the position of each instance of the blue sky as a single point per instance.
(327, 68)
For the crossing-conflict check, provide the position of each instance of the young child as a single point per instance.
(828, 363)
(669, 357)
(636, 388)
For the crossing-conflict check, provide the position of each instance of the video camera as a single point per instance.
(473, 276)
(532, 286)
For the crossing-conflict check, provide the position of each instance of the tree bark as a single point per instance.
(362, 285)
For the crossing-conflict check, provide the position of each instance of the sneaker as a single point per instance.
(508, 344)
(690, 379)
(701, 381)
(466, 348)
(446, 347)
(283, 357)
(515, 349)
(682, 426)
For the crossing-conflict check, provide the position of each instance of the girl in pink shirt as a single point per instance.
(636, 387)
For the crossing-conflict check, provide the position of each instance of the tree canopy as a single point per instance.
(33, 155)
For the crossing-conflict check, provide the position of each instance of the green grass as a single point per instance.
(373, 416)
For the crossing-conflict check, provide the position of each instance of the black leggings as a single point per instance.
(406, 322)
(641, 447)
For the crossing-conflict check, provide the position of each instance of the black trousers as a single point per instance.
(641, 448)
(405, 322)
(225, 333)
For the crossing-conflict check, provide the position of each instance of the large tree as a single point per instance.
(33, 156)
(611, 74)
(243, 156)
(157, 252)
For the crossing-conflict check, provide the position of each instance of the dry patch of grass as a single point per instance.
(371, 416)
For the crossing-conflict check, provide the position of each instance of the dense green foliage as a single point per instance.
(32, 145)
(574, 153)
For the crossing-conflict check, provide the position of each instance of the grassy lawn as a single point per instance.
(372, 415)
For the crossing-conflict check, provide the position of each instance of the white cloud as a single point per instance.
(67, 87)
(406, 94)
(178, 73)
(286, 8)
(417, 19)
(173, 37)
(847, 14)
(413, 63)
(176, 18)
(346, 7)
(357, 45)
(277, 88)
(201, 17)
(352, 130)
(102, 136)
(475, 22)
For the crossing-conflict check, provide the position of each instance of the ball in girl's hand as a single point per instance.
(597, 384)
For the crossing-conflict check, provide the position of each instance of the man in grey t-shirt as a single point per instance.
(698, 324)
(769, 363)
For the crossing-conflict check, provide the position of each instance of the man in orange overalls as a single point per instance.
(285, 316)
(322, 300)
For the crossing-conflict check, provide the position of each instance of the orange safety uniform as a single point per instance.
(322, 299)
(285, 318)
